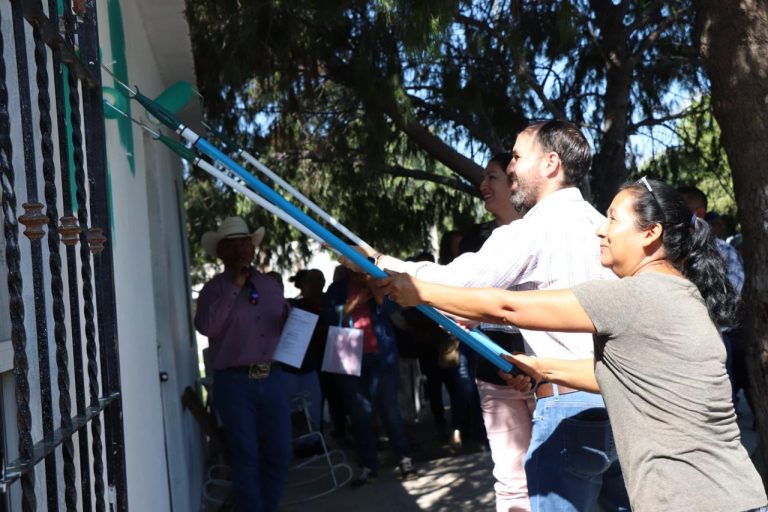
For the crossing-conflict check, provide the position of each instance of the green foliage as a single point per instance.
(697, 159)
(336, 95)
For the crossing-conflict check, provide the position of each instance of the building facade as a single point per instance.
(96, 346)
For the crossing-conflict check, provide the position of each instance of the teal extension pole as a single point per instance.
(474, 339)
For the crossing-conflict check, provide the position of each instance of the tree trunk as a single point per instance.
(609, 167)
(734, 43)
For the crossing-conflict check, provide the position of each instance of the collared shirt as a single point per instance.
(241, 333)
(733, 263)
(554, 246)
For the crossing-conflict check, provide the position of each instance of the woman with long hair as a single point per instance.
(659, 360)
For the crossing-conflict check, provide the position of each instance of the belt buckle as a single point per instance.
(259, 371)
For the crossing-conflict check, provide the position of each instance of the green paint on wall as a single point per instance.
(120, 69)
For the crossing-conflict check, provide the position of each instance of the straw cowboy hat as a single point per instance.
(231, 227)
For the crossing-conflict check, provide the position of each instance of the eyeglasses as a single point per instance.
(647, 185)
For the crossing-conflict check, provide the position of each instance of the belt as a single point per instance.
(254, 371)
(547, 389)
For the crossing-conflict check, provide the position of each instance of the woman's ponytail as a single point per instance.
(689, 245)
(705, 267)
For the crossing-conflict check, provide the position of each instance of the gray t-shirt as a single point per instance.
(660, 363)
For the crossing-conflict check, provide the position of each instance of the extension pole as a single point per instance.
(239, 151)
(196, 160)
(475, 339)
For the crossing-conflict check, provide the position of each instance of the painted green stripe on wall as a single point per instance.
(120, 69)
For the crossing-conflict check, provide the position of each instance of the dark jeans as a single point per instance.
(736, 364)
(460, 385)
(375, 388)
(257, 425)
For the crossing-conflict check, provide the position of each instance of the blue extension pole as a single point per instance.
(476, 340)
(479, 342)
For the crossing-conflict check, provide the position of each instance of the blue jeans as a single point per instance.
(571, 464)
(257, 425)
(305, 385)
(376, 387)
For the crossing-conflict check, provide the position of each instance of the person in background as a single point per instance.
(298, 280)
(440, 363)
(449, 246)
(274, 274)
(302, 385)
(340, 273)
(242, 312)
(354, 301)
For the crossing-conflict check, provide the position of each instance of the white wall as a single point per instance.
(151, 297)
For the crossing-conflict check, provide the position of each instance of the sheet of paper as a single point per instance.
(295, 338)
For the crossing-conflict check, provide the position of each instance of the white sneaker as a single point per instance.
(456, 439)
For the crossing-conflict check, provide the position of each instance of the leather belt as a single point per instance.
(254, 371)
(547, 389)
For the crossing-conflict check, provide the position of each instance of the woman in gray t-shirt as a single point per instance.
(659, 359)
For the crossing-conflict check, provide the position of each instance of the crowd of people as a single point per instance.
(623, 329)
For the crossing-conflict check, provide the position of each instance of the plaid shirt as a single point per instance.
(734, 265)
(553, 247)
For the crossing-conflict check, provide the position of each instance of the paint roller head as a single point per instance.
(175, 97)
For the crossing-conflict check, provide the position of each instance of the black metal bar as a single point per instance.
(72, 280)
(85, 269)
(41, 320)
(13, 257)
(57, 285)
(49, 30)
(103, 263)
(46, 447)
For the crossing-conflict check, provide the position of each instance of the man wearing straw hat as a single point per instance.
(242, 312)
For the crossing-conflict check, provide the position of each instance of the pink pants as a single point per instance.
(507, 415)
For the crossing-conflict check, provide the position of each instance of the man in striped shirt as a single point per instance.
(571, 463)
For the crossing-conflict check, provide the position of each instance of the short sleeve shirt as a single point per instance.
(660, 364)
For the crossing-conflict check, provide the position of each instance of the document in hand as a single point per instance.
(295, 338)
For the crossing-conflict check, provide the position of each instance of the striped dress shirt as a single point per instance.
(554, 246)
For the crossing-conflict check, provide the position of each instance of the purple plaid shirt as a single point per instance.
(241, 333)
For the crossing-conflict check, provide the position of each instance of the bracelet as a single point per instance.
(375, 257)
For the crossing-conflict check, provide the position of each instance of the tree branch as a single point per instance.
(433, 145)
(525, 73)
(391, 170)
(486, 134)
(654, 121)
(417, 174)
(651, 38)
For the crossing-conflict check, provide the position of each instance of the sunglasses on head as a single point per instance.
(644, 181)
